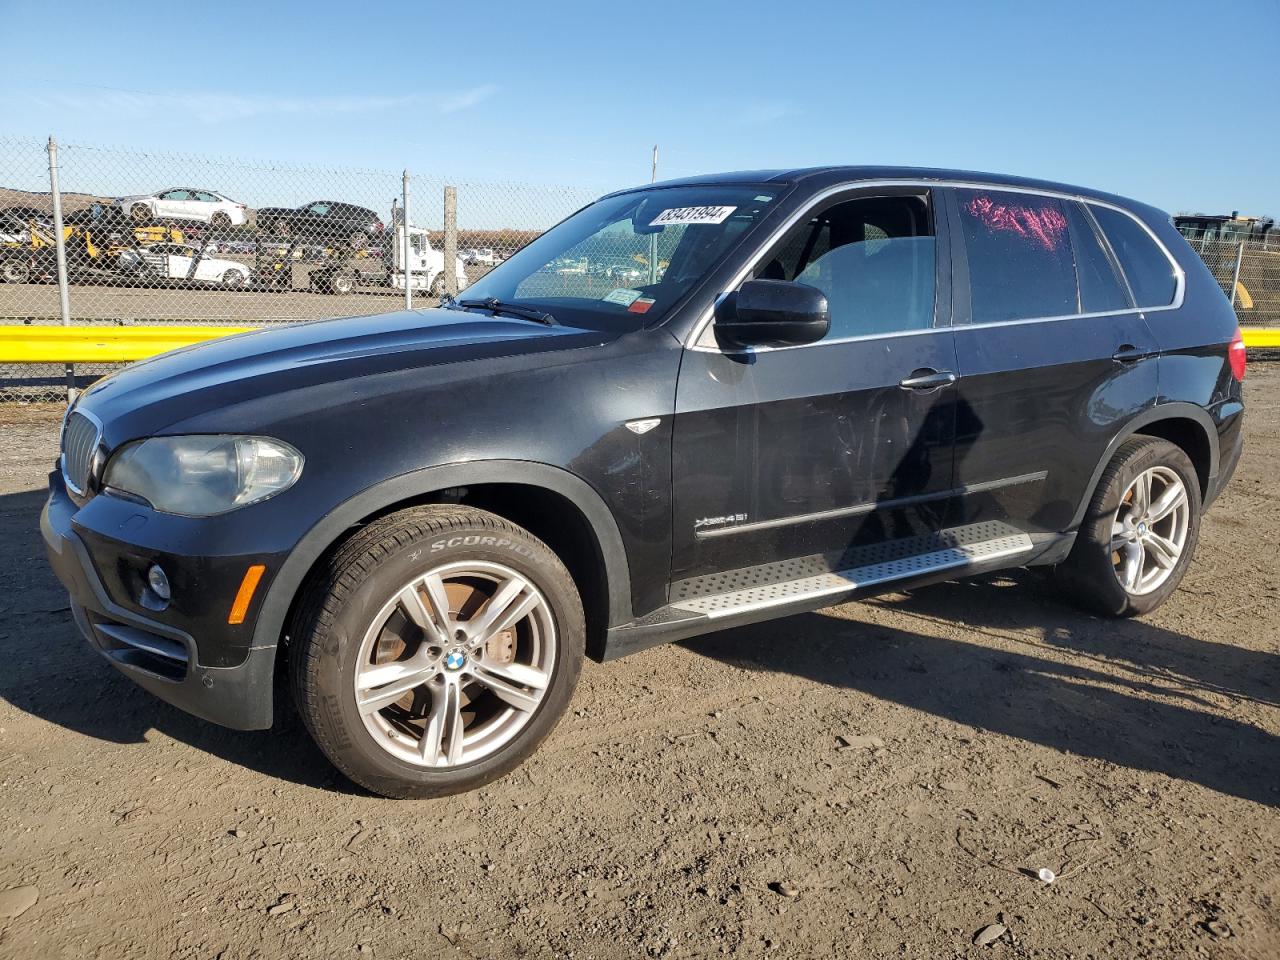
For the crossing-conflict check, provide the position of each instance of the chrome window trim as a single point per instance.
(862, 509)
(702, 338)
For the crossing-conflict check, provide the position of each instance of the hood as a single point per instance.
(332, 357)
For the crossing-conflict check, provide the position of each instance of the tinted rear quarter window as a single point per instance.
(1151, 276)
(1019, 253)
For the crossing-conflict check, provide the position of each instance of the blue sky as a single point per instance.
(1170, 102)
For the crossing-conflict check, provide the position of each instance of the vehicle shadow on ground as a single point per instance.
(1093, 693)
(51, 672)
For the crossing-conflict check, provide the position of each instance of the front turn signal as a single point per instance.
(244, 596)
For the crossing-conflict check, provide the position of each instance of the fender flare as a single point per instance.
(326, 531)
(1173, 410)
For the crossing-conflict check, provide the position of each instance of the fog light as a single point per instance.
(158, 582)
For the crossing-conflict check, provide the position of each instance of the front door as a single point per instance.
(799, 451)
(173, 204)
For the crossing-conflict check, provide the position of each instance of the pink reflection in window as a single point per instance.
(1045, 226)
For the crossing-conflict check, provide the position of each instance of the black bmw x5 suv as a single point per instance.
(818, 384)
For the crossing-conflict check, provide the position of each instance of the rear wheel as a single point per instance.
(281, 227)
(220, 220)
(359, 240)
(1139, 534)
(436, 650)
(140, 212)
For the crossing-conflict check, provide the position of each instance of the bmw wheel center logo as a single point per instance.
(455, 660)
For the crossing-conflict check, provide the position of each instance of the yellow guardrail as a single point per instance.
(1261, 336)
(22, 344)
(99, 344)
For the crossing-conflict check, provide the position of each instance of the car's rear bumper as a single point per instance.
(157, 656)
(1229, 419)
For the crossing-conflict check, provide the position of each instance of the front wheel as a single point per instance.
(233, 280)
(436, 650)
(1139, 534)
(15, 271)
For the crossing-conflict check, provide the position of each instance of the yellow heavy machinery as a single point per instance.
(94, 238)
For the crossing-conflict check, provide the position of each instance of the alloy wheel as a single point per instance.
(456, 664)
(1149, 530)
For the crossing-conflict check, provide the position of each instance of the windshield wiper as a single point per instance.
(496, 306)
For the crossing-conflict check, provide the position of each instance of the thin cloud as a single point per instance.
(760, 112)
(467, 98)
(224, 107)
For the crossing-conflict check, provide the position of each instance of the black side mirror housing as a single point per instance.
(772, 313)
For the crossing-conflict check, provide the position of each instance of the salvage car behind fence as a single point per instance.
(169, 239)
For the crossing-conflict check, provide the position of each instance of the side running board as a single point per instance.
(817, 586)
(714, 601)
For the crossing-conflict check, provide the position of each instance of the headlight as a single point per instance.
(203, 475)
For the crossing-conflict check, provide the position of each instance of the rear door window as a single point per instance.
(1150, 273)
(1101, 289)
(1019, 253)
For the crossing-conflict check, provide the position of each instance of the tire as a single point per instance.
(140, 212)
(15, 271)
(342, 284)
(232, 280)
(281, 227)
(221, 220)
(355, 618)
(358, 240)
(1098, 574)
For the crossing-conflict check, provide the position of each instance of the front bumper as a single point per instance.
(157, 656)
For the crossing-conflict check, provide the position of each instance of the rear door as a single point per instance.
(1053, 357)
(316, 220)
(203, 205)
(798, 451)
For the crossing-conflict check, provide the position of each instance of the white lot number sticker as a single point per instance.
(678, 215)
(621, 296)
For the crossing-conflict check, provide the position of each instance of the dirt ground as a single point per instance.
(880, 779)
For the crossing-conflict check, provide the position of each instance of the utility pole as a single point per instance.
(405, 250)
(653, 237)
(60, 249)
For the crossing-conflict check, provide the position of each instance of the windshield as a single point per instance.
(624, 261)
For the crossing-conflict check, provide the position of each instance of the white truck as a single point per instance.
(425, 273)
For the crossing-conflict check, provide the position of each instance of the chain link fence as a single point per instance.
(172, 239)
(1249, 271)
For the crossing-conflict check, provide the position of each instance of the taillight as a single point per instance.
(1236, 354)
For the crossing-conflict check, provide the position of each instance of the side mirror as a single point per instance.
(772, 313)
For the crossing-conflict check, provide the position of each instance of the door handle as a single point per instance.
(1128, 353)
(927, 378)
